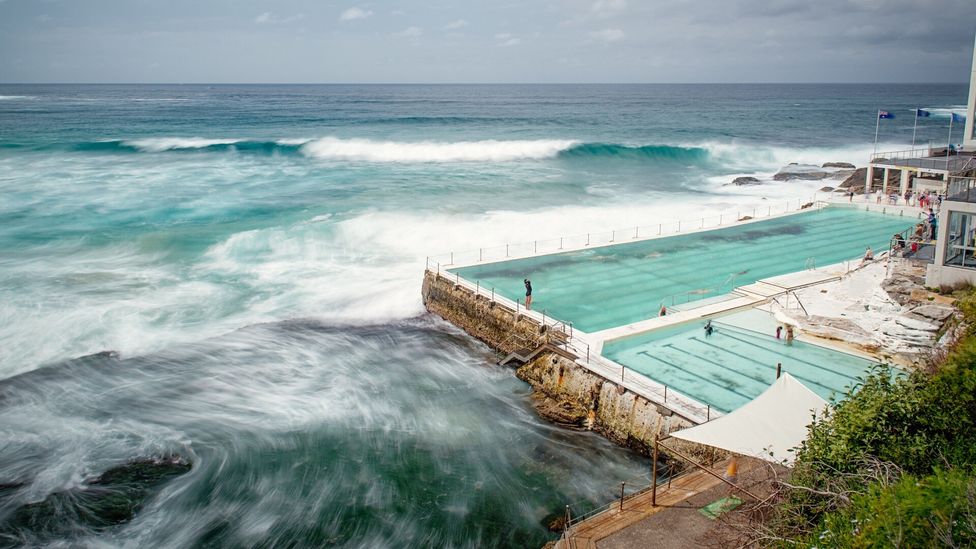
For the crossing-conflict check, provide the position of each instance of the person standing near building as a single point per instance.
(933, 225)
(528, 294)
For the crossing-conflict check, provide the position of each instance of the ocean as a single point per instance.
(228, 276)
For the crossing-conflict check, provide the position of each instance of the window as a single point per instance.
(960, 248)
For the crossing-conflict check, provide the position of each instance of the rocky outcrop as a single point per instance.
(101, 502)
(804, 175)
(826, 189)
(845, 165)
(739, 181)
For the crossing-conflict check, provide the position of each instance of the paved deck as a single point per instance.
(639, 524)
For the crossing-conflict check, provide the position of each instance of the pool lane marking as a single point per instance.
(694, 375)
(808, 363)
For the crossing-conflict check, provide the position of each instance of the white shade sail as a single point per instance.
(767, 427)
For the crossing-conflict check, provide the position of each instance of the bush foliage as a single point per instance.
(893, 466)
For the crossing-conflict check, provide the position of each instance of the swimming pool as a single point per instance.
(734, 364)
(604, 287)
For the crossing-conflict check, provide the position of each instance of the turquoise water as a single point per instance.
(734, 364)
(600, 288)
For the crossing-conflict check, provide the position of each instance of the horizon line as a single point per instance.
(470, 83)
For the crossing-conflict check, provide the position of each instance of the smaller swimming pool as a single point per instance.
(736, 362)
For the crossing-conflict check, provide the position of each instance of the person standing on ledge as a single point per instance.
(528, 294)
(663, 311)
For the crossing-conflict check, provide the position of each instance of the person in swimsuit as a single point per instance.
(528, 294)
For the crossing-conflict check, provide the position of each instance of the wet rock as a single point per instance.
(826, 189)
(109, 499)
(555, 522)
(805, 173)
(855, 181)
(846, 165)
(105, 355)
(745, 181)
(561, 412)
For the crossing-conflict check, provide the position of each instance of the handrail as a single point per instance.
(514, 250)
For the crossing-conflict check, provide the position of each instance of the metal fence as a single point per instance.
(502, 252)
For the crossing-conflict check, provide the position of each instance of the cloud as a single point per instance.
(354, 13)
(410, 32)
(608, 35)
(268, 18)
(505, 40)
(456, 24)
(608, 8)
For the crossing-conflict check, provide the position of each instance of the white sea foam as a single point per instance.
(944, 112)
(13, 97)
(160, 144)
(765, 158)
(368, 150)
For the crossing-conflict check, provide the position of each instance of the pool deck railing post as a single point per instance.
(708, 413)
(477, 291)
(659, 229)
(480, 253)
(665, 393)
(438, 269)
(535, 246)
(636, 232)
(679, 225)
(622, 484)
(452, 258)
(779, 369)
(613, 235)
(492, 294)
(587, 239)
(654, 473)
(427, 263)
(560, 242)
(457, 279)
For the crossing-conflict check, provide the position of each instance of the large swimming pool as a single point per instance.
(736, 362)
(609, 286)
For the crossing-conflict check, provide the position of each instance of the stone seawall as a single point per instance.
(498, 326)
(565, 391)
(570, 394)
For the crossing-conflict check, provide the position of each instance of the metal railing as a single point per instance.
(581, 241)
(903, 154)
(682, 405)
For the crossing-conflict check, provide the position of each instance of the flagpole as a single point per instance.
(949, 141)
(913, 130)
(877, 124)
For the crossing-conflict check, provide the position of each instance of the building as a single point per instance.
(955, 253)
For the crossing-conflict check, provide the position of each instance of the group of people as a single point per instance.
(923, 231)
(927, 199)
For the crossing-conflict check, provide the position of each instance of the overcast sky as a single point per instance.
(486, 41)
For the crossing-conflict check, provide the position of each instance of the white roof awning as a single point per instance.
(767, 427)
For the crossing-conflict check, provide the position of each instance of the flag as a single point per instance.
(885, 114)
(958, 118)
(922, 113)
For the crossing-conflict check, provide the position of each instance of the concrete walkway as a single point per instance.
(674, 522)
